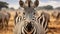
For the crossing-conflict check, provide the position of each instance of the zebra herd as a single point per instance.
(29, 23)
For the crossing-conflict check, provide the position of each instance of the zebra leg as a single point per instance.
(6, 24)
(3, 23)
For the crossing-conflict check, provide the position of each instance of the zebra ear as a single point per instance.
(21, 3)
(36, 3)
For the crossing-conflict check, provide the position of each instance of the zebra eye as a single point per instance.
(24, 18)
(33, 18)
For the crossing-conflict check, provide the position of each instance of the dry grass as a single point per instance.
(54, 25)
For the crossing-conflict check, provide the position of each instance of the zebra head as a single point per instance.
(29, 6)
(30, 24)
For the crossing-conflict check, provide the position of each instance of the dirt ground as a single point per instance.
(10, 27)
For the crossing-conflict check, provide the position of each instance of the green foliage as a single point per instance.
(48, 7)
(3, 5)
(12, 8)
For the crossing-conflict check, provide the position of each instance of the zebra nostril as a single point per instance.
(29, 27)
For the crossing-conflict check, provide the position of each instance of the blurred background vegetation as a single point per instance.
(3, 4)
(48, 7)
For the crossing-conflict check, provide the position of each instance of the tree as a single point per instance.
(3, 5)
(48, 7)
(12, 8)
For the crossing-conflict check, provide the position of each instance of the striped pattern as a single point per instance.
(40, 25)
(44, 20)
(18, 19)
(30, 24)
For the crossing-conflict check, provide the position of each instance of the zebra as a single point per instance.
(18, 19)
(4, 18)
(30, 24)
(56, 14)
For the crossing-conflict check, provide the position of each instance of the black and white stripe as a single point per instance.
(43, 19)
(40, 26)
(31, 24)
(18, 19)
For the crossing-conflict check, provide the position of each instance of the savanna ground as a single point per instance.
(54, 25)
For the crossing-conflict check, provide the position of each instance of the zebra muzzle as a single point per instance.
(29, 27)
(33, 31)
